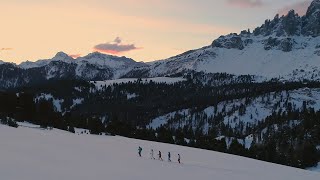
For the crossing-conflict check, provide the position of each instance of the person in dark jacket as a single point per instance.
(151, 154)
(139, 151)
(159, 156)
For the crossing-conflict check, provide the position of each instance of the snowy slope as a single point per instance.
(285, 47)
(302, 62)
(34, 154)
(256, 111)
(60, 56)
(57, 103)
(316, 169)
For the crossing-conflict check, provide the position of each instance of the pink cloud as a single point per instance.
(300, 8)
(115, 47)
(245, 3)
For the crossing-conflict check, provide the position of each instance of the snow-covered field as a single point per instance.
(35, 154)
(316, 169)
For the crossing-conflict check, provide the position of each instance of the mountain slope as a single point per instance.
(94, 66)
(55, 154)
(240, 115)
(286, 47)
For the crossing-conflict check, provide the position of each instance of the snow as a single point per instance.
(257, 110)
(167, 80)
(162, 120)
(78, 89)
(76, 102)
(81, 131)
(118, 65)
(131, 96)
(60, 56)
(57, 103)
(245, 142)
(300, 63)
(103, 60)
(315, 169)
(30, 64)
(27, 125)
(34, 154)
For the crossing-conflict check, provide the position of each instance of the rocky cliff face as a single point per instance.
(292, 24)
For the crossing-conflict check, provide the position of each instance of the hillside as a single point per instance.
(53, 154)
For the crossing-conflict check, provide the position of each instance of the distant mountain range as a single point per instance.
(94, 66)
(285, 48)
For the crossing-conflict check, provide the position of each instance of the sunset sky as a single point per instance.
(144, 30)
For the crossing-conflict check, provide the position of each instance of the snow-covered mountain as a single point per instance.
(94, 66)
(287, 47)
(33, 153)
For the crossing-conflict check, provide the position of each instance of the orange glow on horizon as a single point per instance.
(74, 56)
(38, 30)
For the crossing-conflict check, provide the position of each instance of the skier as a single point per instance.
(159, 156)
(139, 150)
(169, 156)
(179, 158)
(151, 154)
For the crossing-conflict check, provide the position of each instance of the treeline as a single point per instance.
(127, 109)
(155, 99)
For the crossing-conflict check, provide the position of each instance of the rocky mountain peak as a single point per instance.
(311, 24)
(96, 55)
(292, 24)
(62, 56)
(313, 8)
